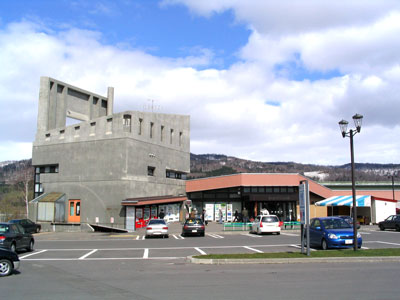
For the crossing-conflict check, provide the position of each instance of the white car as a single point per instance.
(266, 224)
(157, 227)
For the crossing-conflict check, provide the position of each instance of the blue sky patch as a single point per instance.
(272, 103)
(295, 70)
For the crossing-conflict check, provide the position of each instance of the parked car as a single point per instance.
(28, 225)
(9, 262)
(391, 222)
(157, 227)
(13, 237)
(332, 232)
(193, 226)
(266, 224)
(349, 220)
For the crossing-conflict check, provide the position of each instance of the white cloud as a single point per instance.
(229, 108)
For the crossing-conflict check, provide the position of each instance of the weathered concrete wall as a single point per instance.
(59, 100)
(105, 159)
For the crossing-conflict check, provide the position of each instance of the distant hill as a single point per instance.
(205, 165)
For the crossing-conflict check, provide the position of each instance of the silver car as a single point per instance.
(266, 224)
(157, 227)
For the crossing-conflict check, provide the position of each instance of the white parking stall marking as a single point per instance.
(388, 243)
(362, 232)
(251, 235)
(289, 234)
(201, 251)
(144, 237)
(30, 254)
(215, 236)
(365, 248)
(252, 249)
(87, 254)
(146, 253)
(298, 246)
(138, 237)
(178, 237)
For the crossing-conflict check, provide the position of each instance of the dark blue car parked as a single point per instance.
(332, 232)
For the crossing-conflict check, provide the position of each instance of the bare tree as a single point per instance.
(23, 180)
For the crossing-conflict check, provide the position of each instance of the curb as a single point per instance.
(292, 260)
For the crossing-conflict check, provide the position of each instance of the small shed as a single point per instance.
(370, 209)
(48, 207)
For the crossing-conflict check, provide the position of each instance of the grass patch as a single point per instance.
(328, 253)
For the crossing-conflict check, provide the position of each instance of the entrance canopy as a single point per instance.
(153, 200)
(362, 201)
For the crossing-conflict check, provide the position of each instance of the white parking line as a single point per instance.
(144, 237)
(363, 232)
(30, 254)
(365, 248)
(215, 236)
(252, 249)
(395, 244)
(138, 237)
(299, 247)
(201, 251)
(289, 234)
(251, 235)
(146, 253)
(177, 237)
(87, 254)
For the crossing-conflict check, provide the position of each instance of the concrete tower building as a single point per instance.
(104, 169)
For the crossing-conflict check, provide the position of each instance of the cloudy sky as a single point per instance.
(265, 80)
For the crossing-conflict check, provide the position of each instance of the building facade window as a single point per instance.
(38, 187)
(180, 138)
(151, 129)
(151, 171)
(171, 136)
(162, 133)
(140, 126)
(175, 174)
(126, 123)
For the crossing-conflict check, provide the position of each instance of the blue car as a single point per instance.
(332, 232)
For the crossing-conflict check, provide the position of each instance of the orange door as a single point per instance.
(74, 211)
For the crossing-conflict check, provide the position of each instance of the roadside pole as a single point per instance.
(304, 203)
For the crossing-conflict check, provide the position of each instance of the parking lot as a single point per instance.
(89, 247)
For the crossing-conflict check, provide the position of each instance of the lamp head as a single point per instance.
(358, 121)
(343, 127)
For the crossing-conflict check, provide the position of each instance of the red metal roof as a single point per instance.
(255, 179)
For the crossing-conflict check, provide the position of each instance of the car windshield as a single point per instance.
(3, 228)
(270, 219)
(195, 221)
(335, 224)
(154, 222)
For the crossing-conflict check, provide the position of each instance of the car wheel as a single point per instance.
(381, 227)
(13, 248)
(397, 228)
(202, 234)
(6, 267)
(324, 244)
(30, 246)
(278, 233)
(166, 236)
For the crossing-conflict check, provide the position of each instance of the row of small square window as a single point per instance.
(127, 128)
(168, 173)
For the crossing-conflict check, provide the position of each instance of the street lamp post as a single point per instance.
(343, 128)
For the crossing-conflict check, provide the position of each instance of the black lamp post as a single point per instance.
(343, 128)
